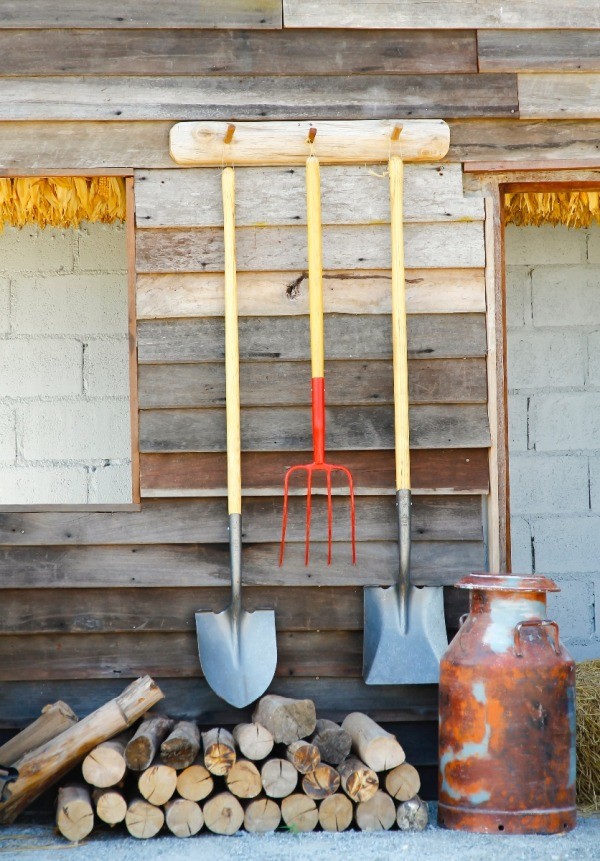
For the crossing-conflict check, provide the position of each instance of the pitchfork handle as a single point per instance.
(315, 267)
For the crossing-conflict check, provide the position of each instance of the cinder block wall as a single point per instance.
(64, 375)
(553, 323)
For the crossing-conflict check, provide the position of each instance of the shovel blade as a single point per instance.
(238, 660)
(394, 657)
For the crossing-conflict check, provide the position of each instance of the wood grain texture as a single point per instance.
(487, 140)
(539, 51)
(559, 96)
(169, 51)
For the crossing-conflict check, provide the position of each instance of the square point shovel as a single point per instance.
(404, 626)
(238, 649)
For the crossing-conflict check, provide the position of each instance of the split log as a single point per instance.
(304, 756)
(286, 719)
(279, 778)
(111, 807)
(376, 814)
(142, 749)
(243, 779)
(54, 719)
(403, 782)
(195, 782)
(105, 765)
(183, 818)
(223, 814)
(158, 783)
(254, 740)
(74, 813)
(45, 765)
(262, 816)
(359, 782)
(333, 742)
(413, 815)
(143, 820)
(380, 750)
(219, 751)
(181, 748)
(321, 782)
(335, 812)
(299, 812)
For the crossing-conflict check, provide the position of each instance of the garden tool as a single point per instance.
(317, 355)
(238, 649)
(404, 628)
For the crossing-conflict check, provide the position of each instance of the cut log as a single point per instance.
(74, 813)
(54, 719)
(413, 815)
(304, 756)
(45, 765)
(403, 782)
(333, 742)
(286, 719)
(262, 816)
(321, 782)
(299, 812)
(376, 814)
(335, 812)
(195, 782)
(183, 818)
(158, 783)
(105, 765)
(279, 778)
(143, 820)
(111, 807)
(243, 779)
(181, 748)
(254, 740)
(378, 749)
(219, 751)
(223, 814)
(359, 782)
(143, 747)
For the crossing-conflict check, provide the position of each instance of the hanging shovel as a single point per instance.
(404, 628)
(238, 649)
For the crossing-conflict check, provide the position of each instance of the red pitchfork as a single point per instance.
(317, 355)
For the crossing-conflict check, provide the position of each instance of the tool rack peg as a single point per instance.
(396, 132)
(229, 134)
(312, 133)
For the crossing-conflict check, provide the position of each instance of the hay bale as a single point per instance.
(588, 735)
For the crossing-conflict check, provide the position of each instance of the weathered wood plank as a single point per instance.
(288, 428)
(265, 294)
(234, 52)
(200, 565)
(487, 140)
(141, 13)
(205, 520)
(432, 336)
(194, 474)
(288, 383)
(350, 194)
(236, 98)
(539, 51)
(563, 96)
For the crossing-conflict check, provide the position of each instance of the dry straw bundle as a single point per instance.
(571, 208)
(61, 201)
(588, 735)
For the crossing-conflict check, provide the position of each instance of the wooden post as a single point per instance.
(333, 742)
(286, 719)
(279, 778)
(54, 719)
(359, 782)
(403, 782)
(299, 812)
(105, 765)
(181, 748)
(304, 756)
(111, 807)
(183, 818)
(321, 782)
(143, 747)
(74, 813)
(380, 750)
(223, 814)
(376, 814)
(243, 779)
(262, 816)
(413, 815)
(219, 751)
(195, 782)
(335, 812)
(143, 820)
(158, 783)
(254, 740)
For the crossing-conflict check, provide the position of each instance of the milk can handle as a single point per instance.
(536, 623)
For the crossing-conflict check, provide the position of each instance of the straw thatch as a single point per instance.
(588, 735)
(61, 201)
(571, 208)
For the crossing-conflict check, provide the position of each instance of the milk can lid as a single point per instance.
(507, 582)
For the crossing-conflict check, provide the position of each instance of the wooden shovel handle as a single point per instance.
(315, 266)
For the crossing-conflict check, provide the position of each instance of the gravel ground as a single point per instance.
(40, 842)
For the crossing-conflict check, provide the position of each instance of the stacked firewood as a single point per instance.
(285, 769)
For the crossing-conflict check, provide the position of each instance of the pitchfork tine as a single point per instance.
(308, 515)
(329, 517)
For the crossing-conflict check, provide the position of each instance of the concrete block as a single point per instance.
(564, 422)
(583, 648)
(520, 545)
(518, 295)
(8, 442)
(538, 359)
(106, 368)
(40, 367)
(110, 483)
(572, 607)
(4, 305)
(33, 249)
(547, 245)
(594, 470)
(102, 248)
(593, 350)
(71, 305)
(546, 484)
(517, 422)
(565, 296)
(75, 430)
(43, 485)
(567, 544)
(593, 234)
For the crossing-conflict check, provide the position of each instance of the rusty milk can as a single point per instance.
(507, 713)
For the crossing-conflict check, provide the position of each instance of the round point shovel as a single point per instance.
(404, 628)
(238, 649)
